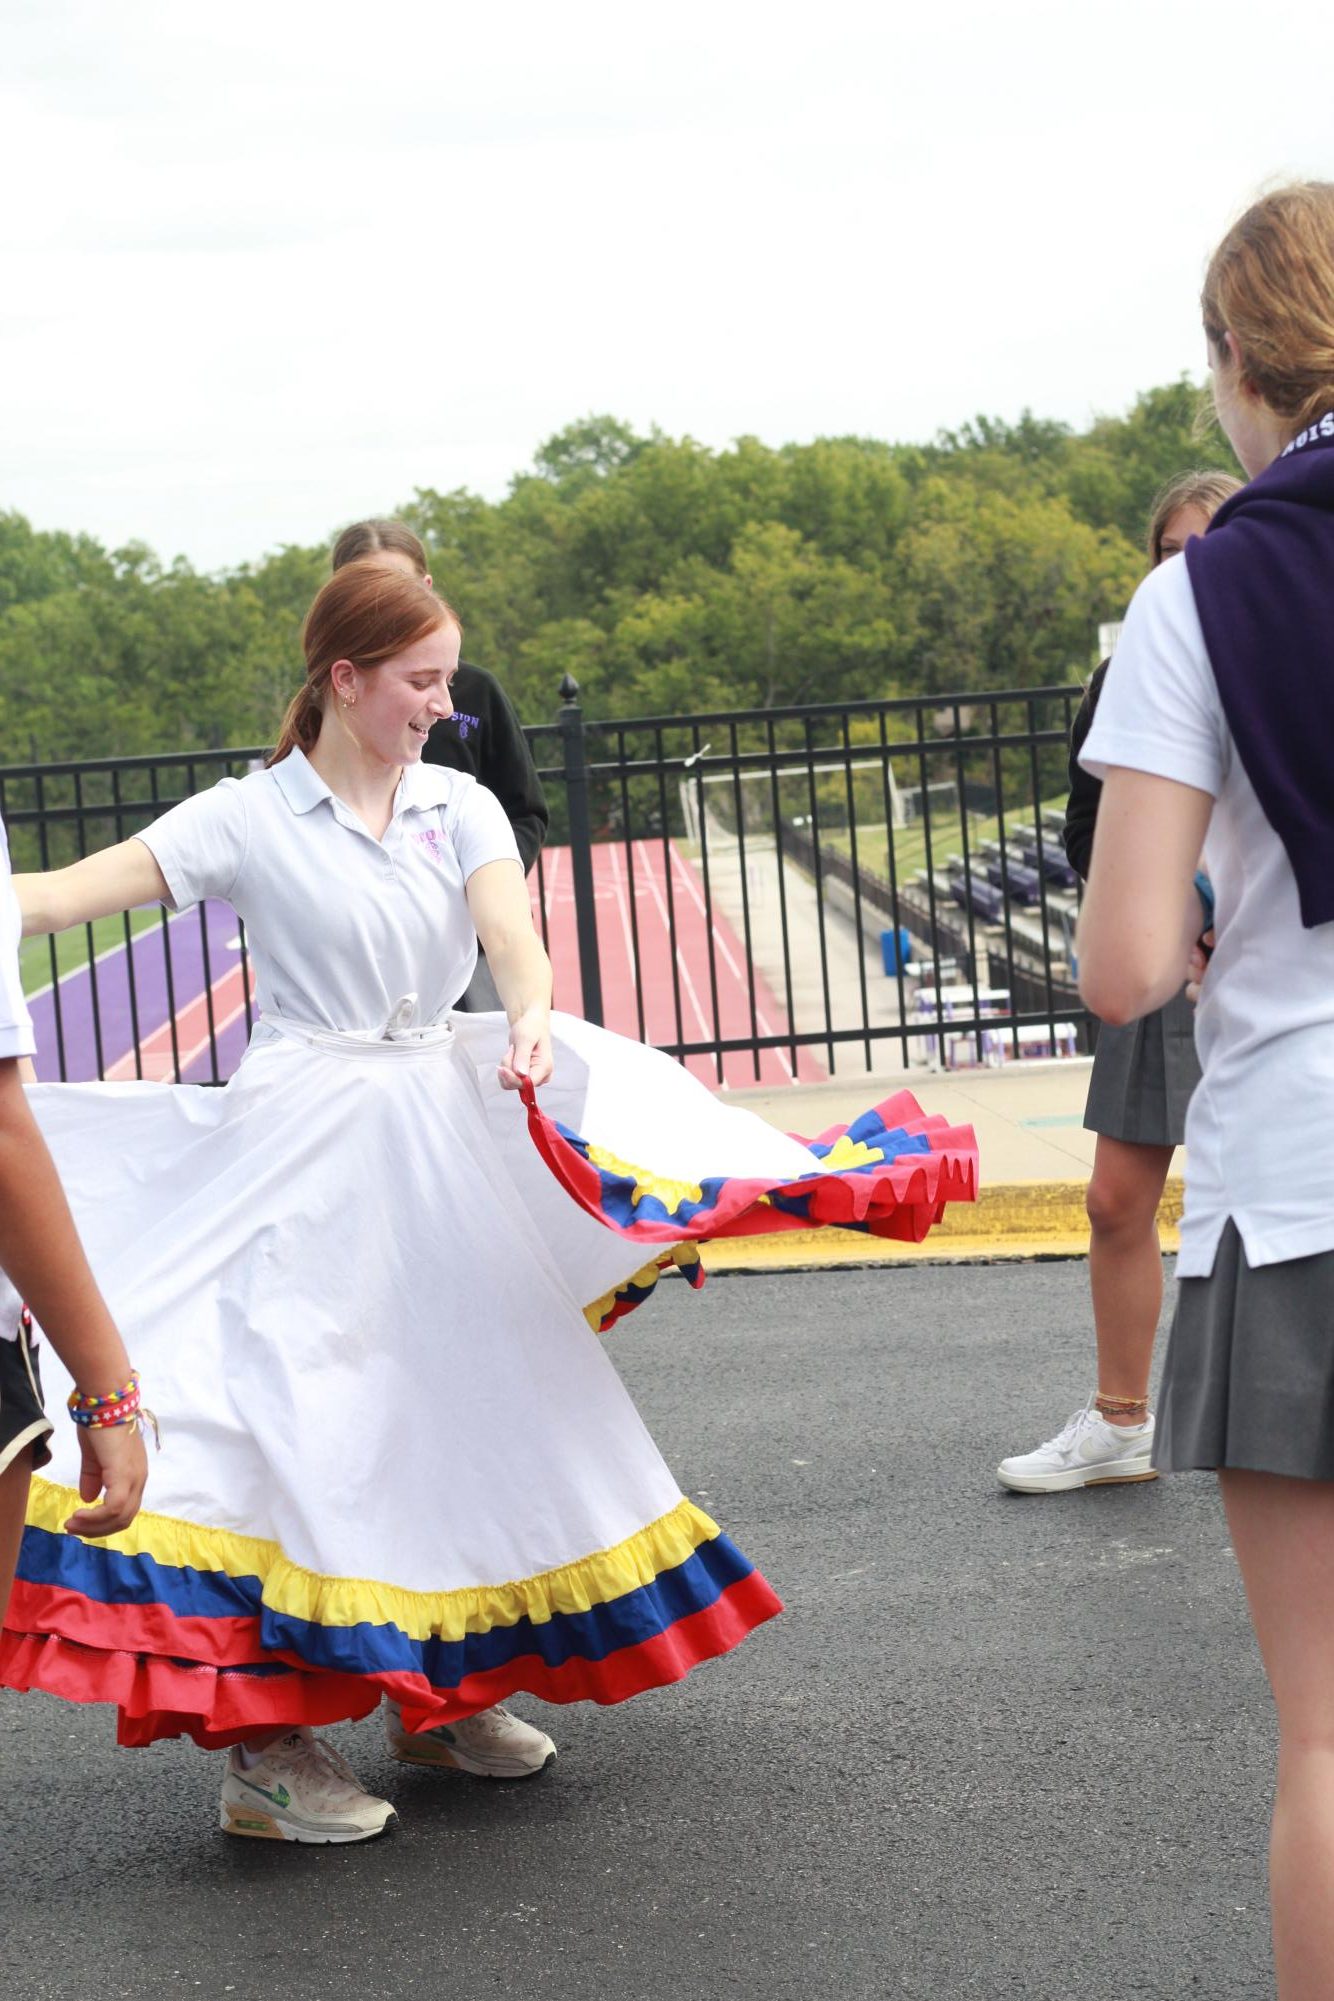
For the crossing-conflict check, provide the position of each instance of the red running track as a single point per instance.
(634, 923)
(205, 1018)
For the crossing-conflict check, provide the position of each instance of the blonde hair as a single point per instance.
(1271, 284)
(1206, 490)
(366, 613)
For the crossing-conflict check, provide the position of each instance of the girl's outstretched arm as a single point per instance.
(119, 878)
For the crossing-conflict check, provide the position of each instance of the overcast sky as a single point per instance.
(266, 267)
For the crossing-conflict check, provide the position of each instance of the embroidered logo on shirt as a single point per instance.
(433, 841)
(467, 724)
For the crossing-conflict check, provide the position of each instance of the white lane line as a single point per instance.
(623, 907)
(686, 875)
(682, 967)
(81, 971)
(155, 1058)
(220, 1028)
(159, 1066)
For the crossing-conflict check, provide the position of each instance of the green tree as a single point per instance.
(585, 451)
(664, 575)
(997, 591)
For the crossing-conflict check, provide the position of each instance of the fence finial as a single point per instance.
(569, 688)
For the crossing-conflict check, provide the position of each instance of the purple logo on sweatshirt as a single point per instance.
(467, 724)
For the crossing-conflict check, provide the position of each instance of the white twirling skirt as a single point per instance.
(396, 1458)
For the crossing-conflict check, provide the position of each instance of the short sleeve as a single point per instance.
(479, 829)
(1159, 711)
(16, 1032)
(200, 845)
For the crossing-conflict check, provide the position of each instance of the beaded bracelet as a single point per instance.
(96, 1413)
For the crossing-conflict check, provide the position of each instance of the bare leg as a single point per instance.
(1125, 1260)
(14, 1483)
(1283, 1533)
(252, 1746)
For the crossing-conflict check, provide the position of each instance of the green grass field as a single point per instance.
(910, 841)
(72, 946)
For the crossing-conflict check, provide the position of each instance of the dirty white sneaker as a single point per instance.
(298, 1789)
(1086, 1452)
(491, 1745)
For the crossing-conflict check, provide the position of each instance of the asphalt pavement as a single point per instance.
(997, 1746)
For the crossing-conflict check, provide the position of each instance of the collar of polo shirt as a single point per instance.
(422, 785)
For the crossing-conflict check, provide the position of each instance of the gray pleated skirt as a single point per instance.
(1249, 1376)
(1143, 1076)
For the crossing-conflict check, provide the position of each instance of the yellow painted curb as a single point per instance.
(1017, 1219)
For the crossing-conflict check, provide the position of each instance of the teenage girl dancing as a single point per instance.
(397, 1462)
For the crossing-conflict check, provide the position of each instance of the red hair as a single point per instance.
(367, 613)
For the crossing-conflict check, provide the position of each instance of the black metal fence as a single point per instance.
(769, 895)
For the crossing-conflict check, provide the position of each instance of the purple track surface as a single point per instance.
(95, 1007)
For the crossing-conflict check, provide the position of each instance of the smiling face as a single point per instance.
(389, 710)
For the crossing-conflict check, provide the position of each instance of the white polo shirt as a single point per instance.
(340, 926)
(1260, 1129)
(16, 1036)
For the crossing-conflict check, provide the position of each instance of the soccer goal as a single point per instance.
(723, 806)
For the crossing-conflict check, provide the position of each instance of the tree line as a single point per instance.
(665, 576)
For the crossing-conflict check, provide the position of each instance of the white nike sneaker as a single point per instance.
(491, 1745)
(299, 1789)
(1086, 1452)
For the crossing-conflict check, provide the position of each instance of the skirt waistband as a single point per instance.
(398, 1036)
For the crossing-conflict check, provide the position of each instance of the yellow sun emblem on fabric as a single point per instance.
(671, 1194)
(846, 1153)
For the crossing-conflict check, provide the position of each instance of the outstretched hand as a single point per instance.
(528, 1058)
(114, 1465)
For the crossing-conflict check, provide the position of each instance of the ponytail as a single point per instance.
(301, 725)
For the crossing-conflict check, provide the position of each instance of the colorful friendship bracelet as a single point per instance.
(118, 1407)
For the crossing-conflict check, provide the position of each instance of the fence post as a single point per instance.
(570, 723)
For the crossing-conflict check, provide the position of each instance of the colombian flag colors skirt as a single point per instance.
(365, 1288)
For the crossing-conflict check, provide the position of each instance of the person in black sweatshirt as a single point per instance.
(1142, 1079)
(483, 736)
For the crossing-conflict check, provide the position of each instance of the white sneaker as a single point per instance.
(491, 1745)
(299, 1789)
(1086, 1452)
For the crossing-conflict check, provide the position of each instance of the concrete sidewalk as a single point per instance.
(1034, 1153)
